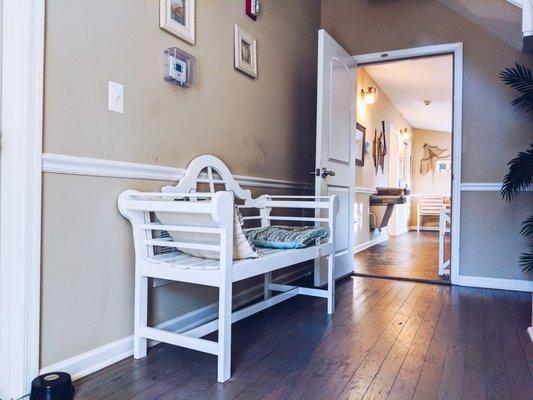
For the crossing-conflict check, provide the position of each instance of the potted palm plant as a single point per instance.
(518, 177)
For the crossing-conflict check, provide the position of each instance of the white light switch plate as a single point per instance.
(115, 97)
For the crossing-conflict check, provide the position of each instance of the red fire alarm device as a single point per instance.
(252, 8)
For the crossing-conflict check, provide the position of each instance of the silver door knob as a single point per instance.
(324, 173)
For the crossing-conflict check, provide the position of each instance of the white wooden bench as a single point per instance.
(139, 207)
(428, 205)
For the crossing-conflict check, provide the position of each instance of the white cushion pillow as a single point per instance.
(242, 248)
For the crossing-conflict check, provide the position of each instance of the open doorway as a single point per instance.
(403, 193)
(341, 145)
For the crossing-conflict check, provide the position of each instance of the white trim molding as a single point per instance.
(73, 165)
(93, 360)
(20, 208)
(481, 186)
(485, 187)
(496, 283)
(370, 243)
(367, 190)
(517, 3)
(424, 51)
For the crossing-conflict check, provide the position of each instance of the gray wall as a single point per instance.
(493, 132)
(263, 127)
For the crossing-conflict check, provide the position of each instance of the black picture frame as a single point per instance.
(360, 152)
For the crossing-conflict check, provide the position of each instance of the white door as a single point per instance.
(335, 144)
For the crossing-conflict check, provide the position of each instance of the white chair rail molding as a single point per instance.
(206, 245)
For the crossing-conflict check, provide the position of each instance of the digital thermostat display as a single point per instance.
(179, 67)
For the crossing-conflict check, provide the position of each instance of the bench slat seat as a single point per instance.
(271, 260)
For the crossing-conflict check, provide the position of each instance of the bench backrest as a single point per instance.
(431, 205)
(212, 171)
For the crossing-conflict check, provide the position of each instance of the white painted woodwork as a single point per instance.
(527, 26)
(20, 219)
(176, 266)
(444, 224)
(86, 166)
(336, 89)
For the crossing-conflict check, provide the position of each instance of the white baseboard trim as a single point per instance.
(425, 228)
(85, 166)
(495, 283)
(370, 243)
(403, 231)
(93, 360)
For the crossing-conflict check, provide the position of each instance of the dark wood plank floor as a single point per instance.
(413, 255)
(387, 340)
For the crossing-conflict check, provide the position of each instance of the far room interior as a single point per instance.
(404, 169)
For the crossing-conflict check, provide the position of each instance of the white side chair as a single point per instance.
(428, 205)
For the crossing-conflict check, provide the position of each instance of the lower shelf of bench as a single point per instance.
(192, 271)
(192, 338)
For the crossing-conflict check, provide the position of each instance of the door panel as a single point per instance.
(335, 146)
(339, 113)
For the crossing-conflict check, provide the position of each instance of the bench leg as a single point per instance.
(268, 281)
(141, 316)
(331, 283)
(224, 332)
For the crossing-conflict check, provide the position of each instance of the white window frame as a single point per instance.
(20, 193)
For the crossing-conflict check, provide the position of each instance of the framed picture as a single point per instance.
(177, 17)
(245, 51)
(360, 144)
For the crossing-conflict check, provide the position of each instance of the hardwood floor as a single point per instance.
(413, 255)
(387, 339)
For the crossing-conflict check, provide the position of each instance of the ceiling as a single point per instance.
(408, 83)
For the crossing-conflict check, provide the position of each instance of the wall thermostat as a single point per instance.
(179, 67)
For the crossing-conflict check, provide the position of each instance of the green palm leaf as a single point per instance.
(521, 79)
(519, 176)
(527, 227)
(526, 261)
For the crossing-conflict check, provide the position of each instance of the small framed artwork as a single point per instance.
(360, 144)
(245, 51)
(177, 17)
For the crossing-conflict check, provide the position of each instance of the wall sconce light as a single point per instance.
(404, 133)
(369, 94)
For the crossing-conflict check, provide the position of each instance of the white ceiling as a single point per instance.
(408, 83)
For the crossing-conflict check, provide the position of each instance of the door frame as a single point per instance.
(20, 193)
(456, 49)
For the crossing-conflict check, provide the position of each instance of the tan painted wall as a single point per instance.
(430, 183)
(493, 132)
(370, 116)
(263, 127)
(256, 125)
